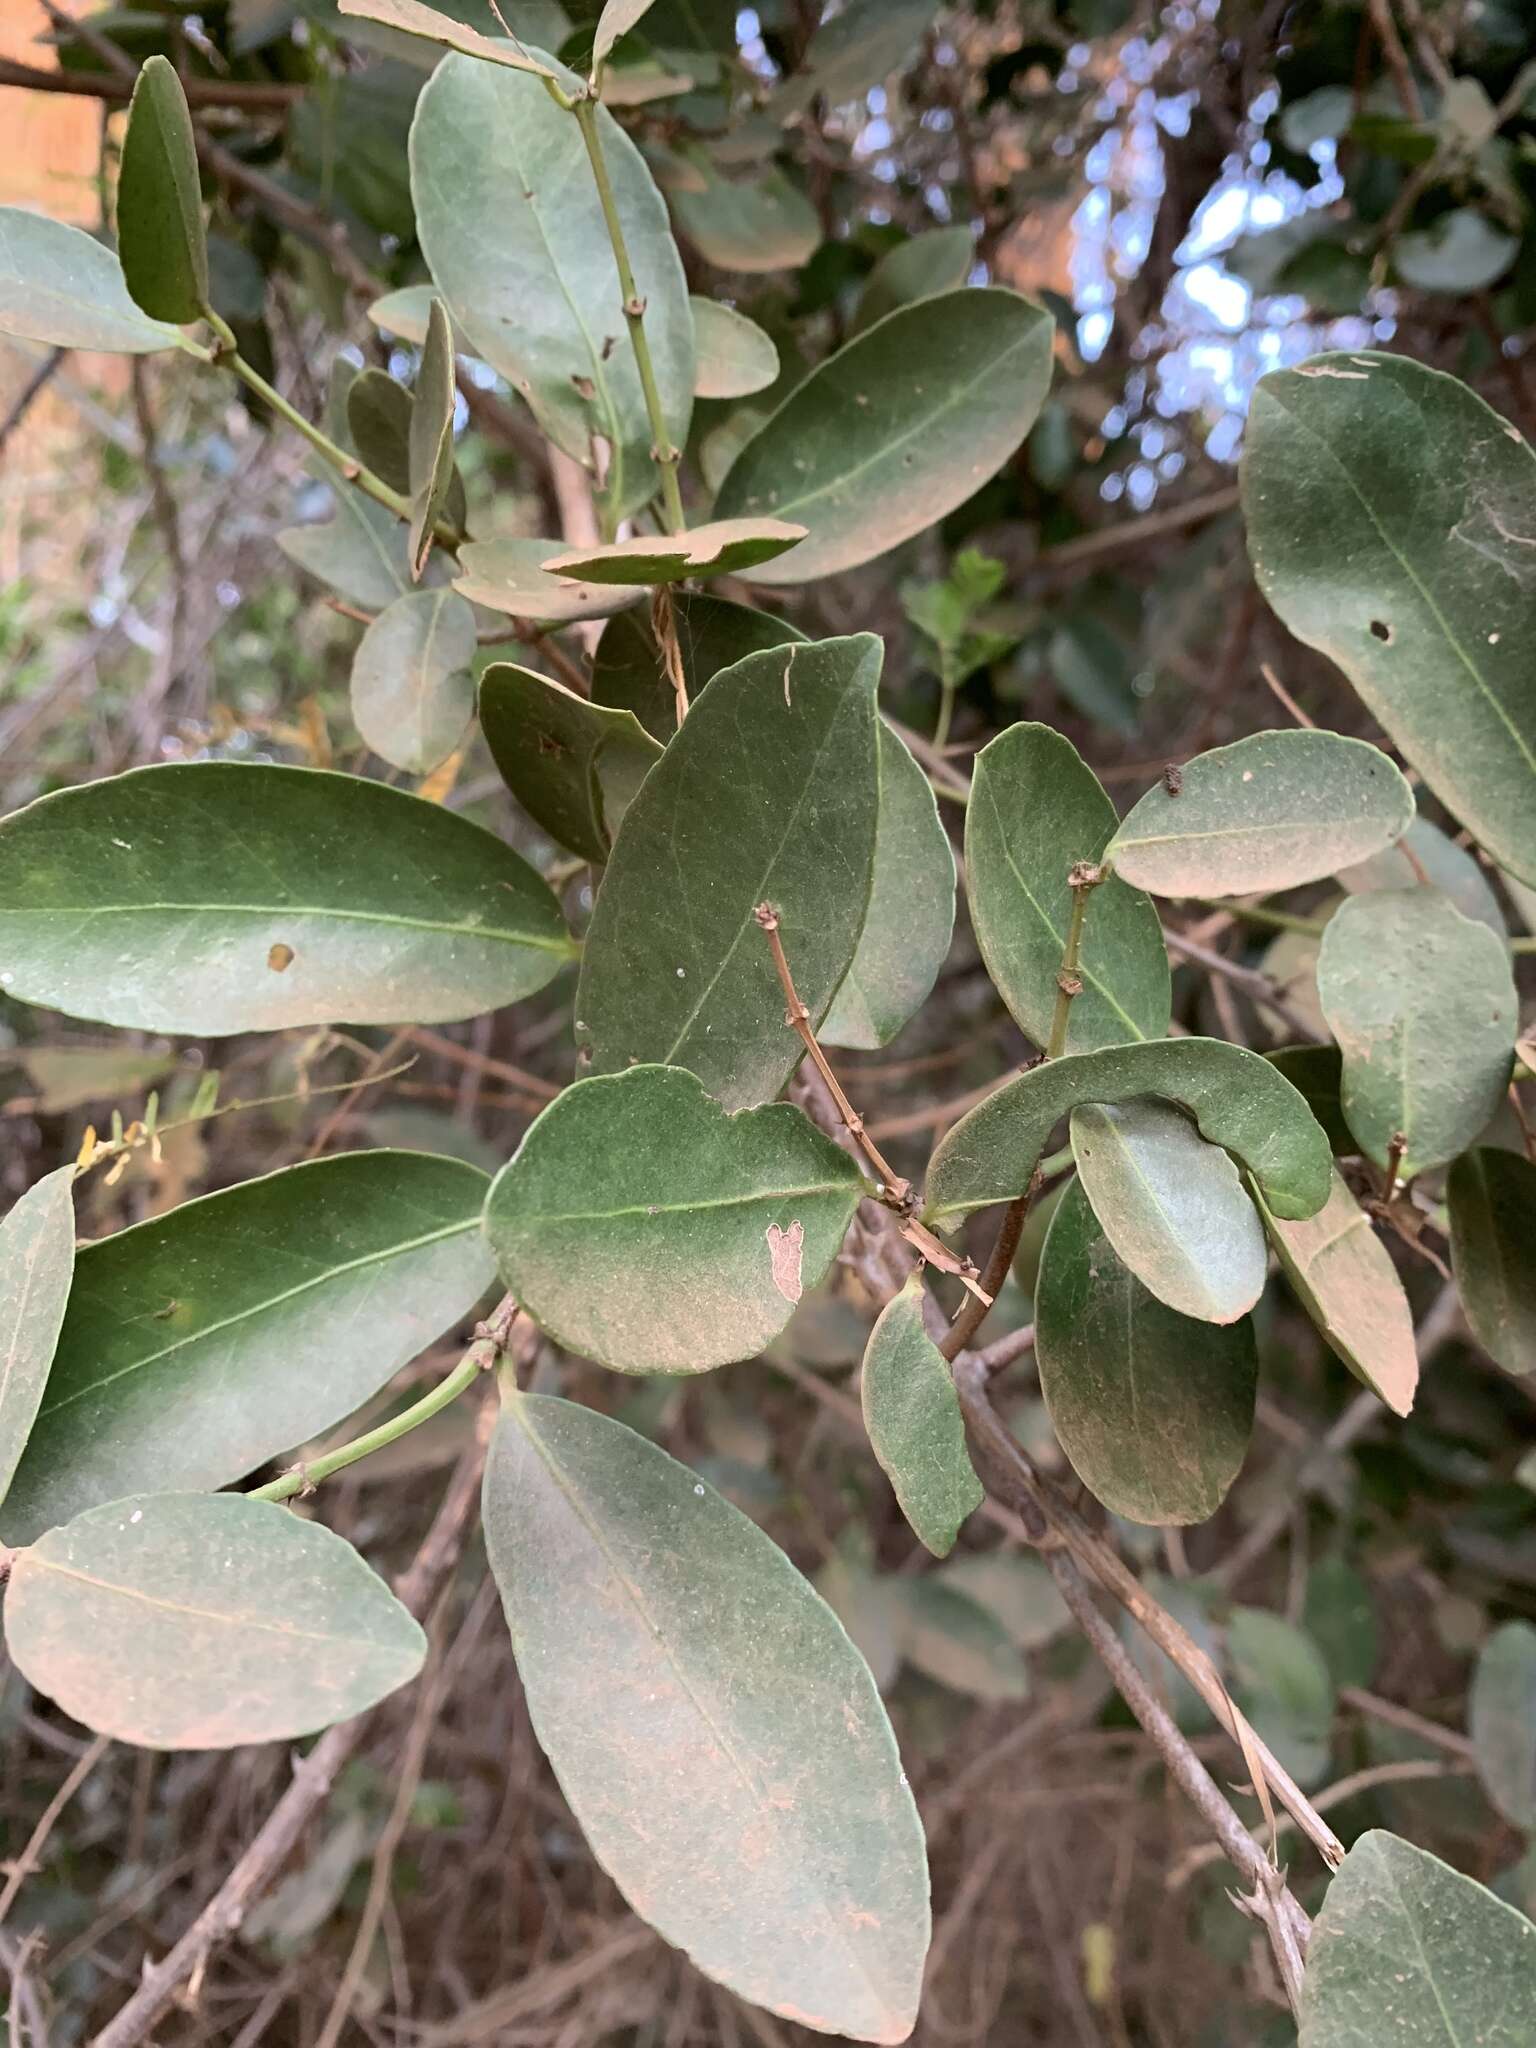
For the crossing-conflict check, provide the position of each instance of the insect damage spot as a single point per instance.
(280, 958)
(1381, 631)
(786, 1249)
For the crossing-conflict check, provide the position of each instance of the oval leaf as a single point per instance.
(379, 421)
(756, 223)
(37, 1263)
(509, 576)
(1492, 1197)
(938, 261)
(712, 634)
(430, 444)
(916, 1430)
(1173, 1208)
(361, 552)
(769, 793)
(957, 1641)
(643, 1227)
(1036, 810)
(1406, 1942)
(165, 899)
(1502, 1721)
(204, 1621)
(755, 1811)
(1269, 812)
(723, 547)
(574, 766)
(732, 355)
(1238, 1100)
(58, 285)
(161, 241)
(1153, 1409)
(1388, 515)
(894, 431)
(911, 915)
(412, 690)
(189, 1347)
(1426, 854)
(1422, 1003)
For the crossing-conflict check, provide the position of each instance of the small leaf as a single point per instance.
(70, 1076)
(153, 900)
(1173, 1208)
(412, 691)
(643, 1227)
(1153, 1409)
(189, 1347)
(938, 261)
(1282, 1684)
(1036, 810)
(412, 18)
(361, 552)
(37, 1263)
(205, 1621)
(756, 223)
(574, 766)
(895, 430)
(1425, 853)
(379, 421)
(712, 635)
(912, 1414)
(859, 46)
(1502, 1721)
(1344, 1278)
(1269, 812)
(430, 446)
(769, 793)
(1238, 1100)
(404, 313)
(617, 19)
(1492, 1196)
(1406, 1942)
(754, 1810)
(1340, 1617)
(958, 1642)
(509, 576)
(161, 240)
(1422, 1003)
(723, 547)
(732, 355)
(1017, 1590)
(59, 286)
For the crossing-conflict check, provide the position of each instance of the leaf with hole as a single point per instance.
(37, 1263)
(723, 547)
(429, 446)
(205, 1621)
(939, 260)
(1153, 1409)
(769, 793)
(754, 1811)
(161, 241)
(1492, 1198)
(894, 431)
(756, 223)
(1403, 1941)
(1390, 526)
(413, 18)
(164, 899)
(1266, 813)
(1502, 1721)
(644, 1227)
(189, 1347)
(60, 286)
(508, 575)
(1238, 1100)
(1422, 1003)
(573, 765)
(732, 355)
(1172, 1206)
(912, 1415)
(1037, 809)
(1281, 1681)
(712, 634)
(412, 690)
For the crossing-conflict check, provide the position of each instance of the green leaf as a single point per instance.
(574, 766)
(643, 1227)
(754, 1810)
(1492, 1196)
(1388, 518)
(1462, 251)
(412, 691)
(70, 1076)
(404, 313)
(509, 576)
(1406, 1943)
(956, 1641)
(205, 1621)
(1340, 1617)
(361, 552)
(1422, 1003)
(912, 1414)
(379, 422)
(854, 49)
(1316, 1072)
(161, 241)
(1153, 1409)
(37, 1262)
(412, 18)
(189, 1347)
(756, 223)
(712, 634)
(1238, 1100)
(1425, 853)
(1036, 809)
(1172, 1207)
(1017, 1590)
(1501, 1717)
(732, 355)
(510, 223)
(911, 915)
(1269, 812)
(769, 793)
(430, 446)
(1344, 1278)
(889, 435)
(938, 261)
(722, 547)
(58, 285)
(211, 897)
(1282, 1683)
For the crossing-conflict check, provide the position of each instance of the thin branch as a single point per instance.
(243, 96)
(1261, 987)
(29, 1858)
(973, 1310)
(1083, 878)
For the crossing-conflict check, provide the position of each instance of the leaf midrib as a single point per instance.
(296, 910)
